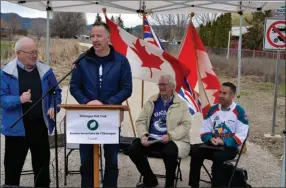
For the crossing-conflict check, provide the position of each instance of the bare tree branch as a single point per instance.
(68, 24)
(171, 25)
(38, 28)
(14, 23)
(204, 18)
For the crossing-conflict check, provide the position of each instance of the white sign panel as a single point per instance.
(275, 34)
(279, 12)
(93, 127)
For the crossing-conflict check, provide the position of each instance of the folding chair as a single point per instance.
(178, 170)
(236, 160)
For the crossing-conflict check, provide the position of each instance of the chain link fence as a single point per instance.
(246, 53)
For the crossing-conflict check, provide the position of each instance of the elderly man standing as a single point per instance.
(162, 126)
(24, 81)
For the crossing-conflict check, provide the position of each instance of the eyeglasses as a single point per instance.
(30, 53)
(162, 85)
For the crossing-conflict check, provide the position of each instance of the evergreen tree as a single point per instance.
(112, 19)
(119, 22)
(253, 39)
(98, 18)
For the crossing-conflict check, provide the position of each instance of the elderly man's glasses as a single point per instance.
(30, 53)
(162, 84)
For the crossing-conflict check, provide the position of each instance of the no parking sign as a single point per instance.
(275, 34)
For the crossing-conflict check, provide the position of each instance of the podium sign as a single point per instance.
(88, 124)
(93, 127)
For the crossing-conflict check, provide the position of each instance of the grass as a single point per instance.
(270, 87)
(6, 48)
(263, 68)
(244, 93)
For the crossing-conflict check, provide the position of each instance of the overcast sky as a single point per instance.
(6, 7)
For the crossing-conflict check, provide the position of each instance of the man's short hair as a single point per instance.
(171, 80)
(20, 43)
(102, 24)
(231, 86)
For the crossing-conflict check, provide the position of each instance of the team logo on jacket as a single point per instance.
(92, 125)
(222, 129)
(160, 125)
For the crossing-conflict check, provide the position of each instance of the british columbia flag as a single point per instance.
(186, 92)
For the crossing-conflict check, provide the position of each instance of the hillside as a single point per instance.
(25, 23)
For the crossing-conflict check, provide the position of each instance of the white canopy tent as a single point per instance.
(157, 7)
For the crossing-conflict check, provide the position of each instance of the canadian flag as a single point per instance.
(202, 78)
(148, 62)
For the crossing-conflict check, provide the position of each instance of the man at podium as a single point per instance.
(163, 126)
(102, 76)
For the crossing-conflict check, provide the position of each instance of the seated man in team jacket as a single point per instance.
(163, 126)
(225, 126)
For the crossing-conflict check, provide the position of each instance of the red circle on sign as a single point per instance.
(268, 35)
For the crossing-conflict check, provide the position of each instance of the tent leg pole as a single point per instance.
(239, 58)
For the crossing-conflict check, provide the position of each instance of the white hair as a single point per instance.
(20, 43)
(171, 80)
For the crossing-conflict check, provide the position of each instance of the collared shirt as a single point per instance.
(22, 66)
(228, 108)
(168, 101)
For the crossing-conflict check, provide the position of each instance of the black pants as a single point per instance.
(169, 152)
(217, 156)
(16, 149)
(111, 165)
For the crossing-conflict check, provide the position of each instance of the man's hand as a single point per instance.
(51, 113)
(94, 102)
(144, 141)
(26, 97)
(219, 141)
(165, 138)
(213, 141)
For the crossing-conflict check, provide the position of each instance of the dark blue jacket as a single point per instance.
(116, 79)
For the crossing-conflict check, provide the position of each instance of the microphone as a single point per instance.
(76, 62)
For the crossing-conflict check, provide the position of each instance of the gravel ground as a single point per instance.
(263, 168)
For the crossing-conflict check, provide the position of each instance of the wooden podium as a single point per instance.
(89, 124)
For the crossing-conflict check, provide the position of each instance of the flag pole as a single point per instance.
(198, 71)
(129, 111)
(142, 84)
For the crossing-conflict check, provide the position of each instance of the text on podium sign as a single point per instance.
(93, 127)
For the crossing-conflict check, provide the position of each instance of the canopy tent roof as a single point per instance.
(158, 7)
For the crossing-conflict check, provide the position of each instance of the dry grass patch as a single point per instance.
(263, 68)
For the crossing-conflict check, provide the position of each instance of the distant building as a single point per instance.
(235, 35)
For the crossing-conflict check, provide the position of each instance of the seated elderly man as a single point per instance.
(162, 126)
(225, 127)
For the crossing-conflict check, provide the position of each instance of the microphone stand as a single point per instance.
(53, 92)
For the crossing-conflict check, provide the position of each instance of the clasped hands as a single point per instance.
(95, 102)
(144, 140)
(216, 141)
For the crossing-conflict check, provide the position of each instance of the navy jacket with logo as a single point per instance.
(116, 84)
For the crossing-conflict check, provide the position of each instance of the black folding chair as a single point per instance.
(178, 170)
(236, 160)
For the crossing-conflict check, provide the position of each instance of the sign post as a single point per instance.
(275, 40)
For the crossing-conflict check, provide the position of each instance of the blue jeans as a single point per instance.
(111, 165)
